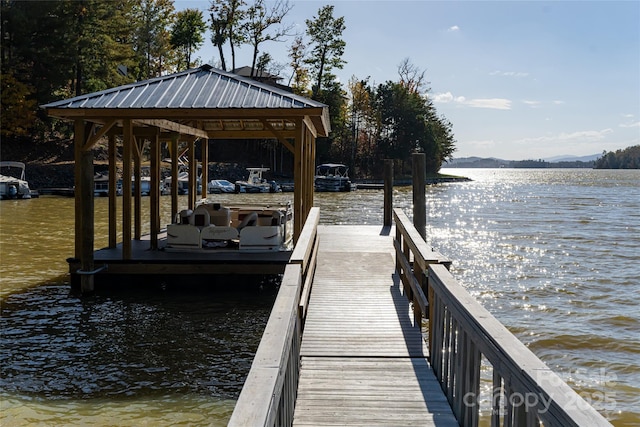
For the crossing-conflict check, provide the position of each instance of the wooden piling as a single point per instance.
(388, 192)
(419, 201)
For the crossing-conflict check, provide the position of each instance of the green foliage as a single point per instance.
(260, 23)
(153, 52)
(226, 18)
(300, 78)
(187, 35)
(56, 49)
(17, 108)
(327, 46)
(393, 121)
(629, 158)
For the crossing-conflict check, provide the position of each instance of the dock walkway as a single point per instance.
(363, 362)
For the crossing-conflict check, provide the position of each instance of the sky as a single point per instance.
(518, 80)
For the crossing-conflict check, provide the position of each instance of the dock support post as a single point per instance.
(388, 192)
(299, 182)
(127, 154)
(154, 211)
(419, 202)
(204, 147)
(173, 150)
(193, 173)
(113, 182)
(84, 202)
(138, 143)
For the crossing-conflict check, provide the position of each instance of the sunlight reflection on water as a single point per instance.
(553, 254)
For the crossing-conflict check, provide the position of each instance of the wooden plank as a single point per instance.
(173, 126)
(363, 358)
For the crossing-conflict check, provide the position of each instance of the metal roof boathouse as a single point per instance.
(180, 110)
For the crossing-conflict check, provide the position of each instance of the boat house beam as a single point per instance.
(174, 127)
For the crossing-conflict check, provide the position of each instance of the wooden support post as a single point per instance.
(419, 202)
(173, 149)
(308, 173)
(127, 145)
(78, 142)
(312, 170)
(204, 144)
(299, 181)
(432, 321)
(388, 192)
(193, 174)
(113, 187)
(84, 204)
(137, 199)
(154, 210)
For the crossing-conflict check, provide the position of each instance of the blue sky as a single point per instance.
(518, 80)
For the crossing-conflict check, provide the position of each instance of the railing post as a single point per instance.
(388, 192)
(419, 202)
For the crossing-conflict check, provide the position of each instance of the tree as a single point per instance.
(57, 49)
(226, 17)
(327, 46)
(152, 18)
(106, 38)
(38, 47)
(411, 77)
(259, 20)
(299, 80)
(17, 109)
(409, 123)
(362, 122)
(187, 33)
(629, 158)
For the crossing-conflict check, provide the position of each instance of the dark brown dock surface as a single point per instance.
(145, 261)
(363, 361)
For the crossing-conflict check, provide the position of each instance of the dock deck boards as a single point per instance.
(145, 261)
(363, 361)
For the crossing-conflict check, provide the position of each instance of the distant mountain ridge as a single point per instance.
(569, 158)
(550, 162)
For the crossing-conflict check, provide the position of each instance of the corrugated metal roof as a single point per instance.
(199, 88)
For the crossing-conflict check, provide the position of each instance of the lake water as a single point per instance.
(553, 254)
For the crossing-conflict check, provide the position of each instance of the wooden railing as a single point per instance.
(269, 392)
(413, 257)
(305, 255)
(461, 333)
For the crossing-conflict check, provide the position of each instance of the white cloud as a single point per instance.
(532, 104)
(447, 97)
(630, 125)
(491, 103)
(580, 136)
(453, 28)
(509, 73)
(558, 102)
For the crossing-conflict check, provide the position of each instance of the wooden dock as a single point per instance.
(363, 361)
(344, 344)
(147, 263)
